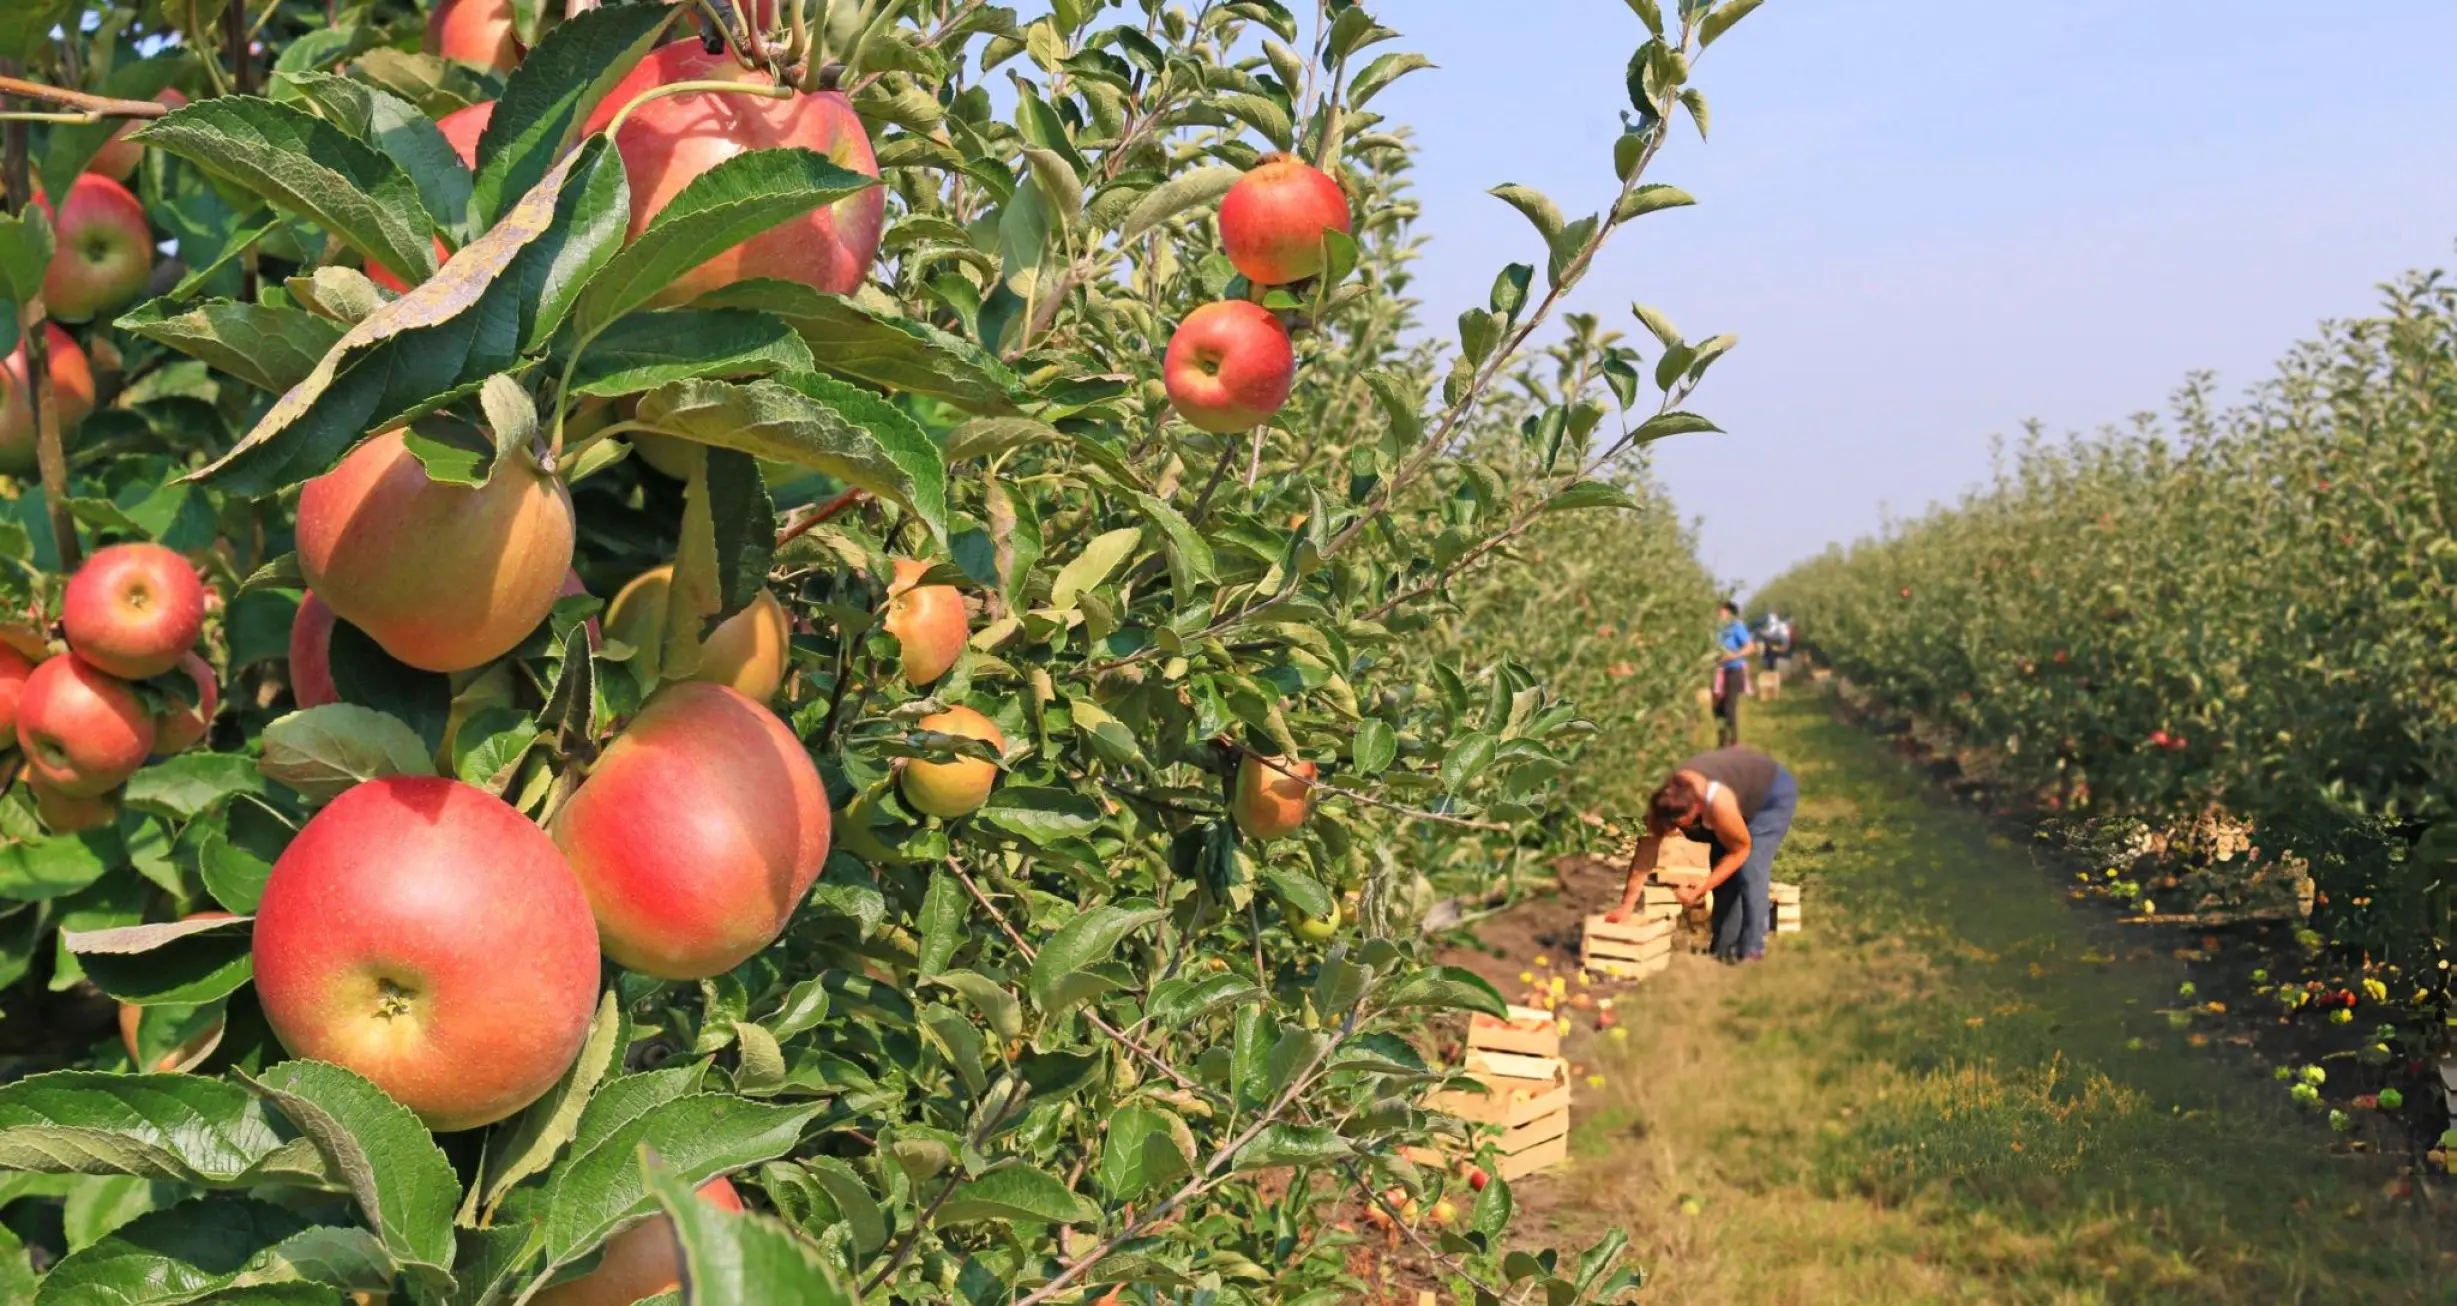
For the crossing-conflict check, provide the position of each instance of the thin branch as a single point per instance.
(99, 106)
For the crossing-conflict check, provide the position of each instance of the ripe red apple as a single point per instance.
(65, 815)
(697, 832)
(177, 732)
(1272, 221)
(103, 254)
(1229, 366)
(1272, 798)
(133, 610)
(747, 651)
(83, 730)
(118, 158)
(667, 143)
(72, 391)
(14, 668)
(959, 786)
(426, 935)
(311, 653)
(475, 32)
(639, 1263)
(186, 1052)
(444, 577)
(928, 622)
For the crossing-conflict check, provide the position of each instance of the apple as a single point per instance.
(186, 1053)
(424, 934)
(1312, 929)
(959, 786)
(1229, 366)
(1477, 1178)
(928, 622)
(83, 730)
(14, 668)
(311, 653)
(1273, 796)
(697, 832)
(1444, 1211)
(444, 577)
(639, 1263)
(474, 32)
(748, 650)
(103, 253)
(65, 815)
(177, 732)
(72, 391)
(133, 610)
(1272, 221)
(118, 158)
(666, 454)
(666, 144)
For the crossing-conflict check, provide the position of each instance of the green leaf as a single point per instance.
(404, 1185)
(1093, 935)
(306, 167)
(181, 1129)
(1041, 816)
(1176, 1002)
(1375, 747)
(1285, 1144)
(1648, 199)
(738, 1259)
(1382, 72)
(182, 963)
(1721, 18)
(552, 93)
(1532, 205)
(32, 870)
(646, 350)
(894, 352)
(812, 421)
(1190, 557)
(25, 254)
(943, 908)
(1467, 758)
(542, 1130)
(1017, 1192)
(187, 786)
(1060, 187)
(1184, 191)
(405, 135)
(218, 1249)
(721, 208)
(1446, 988)
(1590, 494)
(267, 347)
(599, 1189)
(1650, 13)
(323, 751)
(998, 1007)
(490, 745)
(1091, 568)
(1657, 324)
(1673, 423)
(1142, 1147)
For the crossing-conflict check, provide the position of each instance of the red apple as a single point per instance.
(426, 935)
(1229, 366)
(639, 1263)
(747, 651)
(474, 32)
(83, 730)
(177, 732)
(928, 622)
(311, 653)
(65, 815)
(959, 786)
(185, 1053)
(668, 143)
(133, 610)
(103, 253)
(696, 833)
(14, 668)
(118, 158)
(72, 391)
(444, 577)
(1272, 797)
(1272, 221)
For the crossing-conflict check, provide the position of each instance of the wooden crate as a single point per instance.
(1786, 899)
(1769, 684)
(1526, 1098)
(1528, 1031)
(1630, 949)
(1820, 675)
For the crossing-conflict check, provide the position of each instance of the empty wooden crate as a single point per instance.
(1528, 1031)
(1786, 898)
(1526, 1098)
(1770, 684)
(1630, 949)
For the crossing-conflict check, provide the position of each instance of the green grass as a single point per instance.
(1935, 1095)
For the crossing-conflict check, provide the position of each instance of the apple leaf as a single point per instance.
(187, 786)
(403, 133)
(267, 347)
(1094, 935)
(1448, 988)
(721, 562)
(894, 352)
(738, 1259)
(1140, 1147)
(177, 963)
(69, 146)
(1590, 494)
(540, 1133)
(1174, 196)
(323, 751)
(983, 437)
(645, 350)
(1040, 815)
(591, 215)
(25, 255)
(217, 1249)
(598, 1191)
(308, 167)
(1283, 1144)
(721, 208)
(404, 1184)
(552, 93)
(183, 1129)
(1017, 1192)
(812, 421)
(32, 870)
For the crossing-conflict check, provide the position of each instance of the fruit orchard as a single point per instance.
(825, 651)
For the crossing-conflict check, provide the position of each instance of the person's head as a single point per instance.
(1677, 805)
(1728, 610)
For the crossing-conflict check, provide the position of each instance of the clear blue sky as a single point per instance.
(1928, 222)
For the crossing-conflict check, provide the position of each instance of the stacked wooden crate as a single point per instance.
(1527, 1032)
(1633, 948)
(1527, 1098)
(1786, 899)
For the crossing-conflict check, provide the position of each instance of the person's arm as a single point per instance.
(1634, 880)
(1732, 835)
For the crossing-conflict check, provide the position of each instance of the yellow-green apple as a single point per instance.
(1273, 796)
(102, 253)
(928, 622)
(424, 934)
(118, 158)
(666, 144)
(461, 128)
(311, 653)
(747, 650)
(960, 785)
(1229, 366)
(640, 1262)
(1312, 929)
(666, 454)
(474, 32)
(72, 394)
(697, 832)
(185, 1055)
(445, 577)
(133, 610)
(14, 668)
(83, 730)
(65, 815)
(1272, 221)
(180, 730)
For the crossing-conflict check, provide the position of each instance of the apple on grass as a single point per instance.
(102, 254)
(425, 934)
(959, 786)
(748, 651)
(72, 390)
(1273, 219)
(133, 610)
(83, 730)
(696, 833)
(1273, 796)
(928, 622)
(638, 1263)
(1229, 366)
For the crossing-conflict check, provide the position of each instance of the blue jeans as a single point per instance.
(1744, 908)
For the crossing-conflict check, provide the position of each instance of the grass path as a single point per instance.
(1936, 1096)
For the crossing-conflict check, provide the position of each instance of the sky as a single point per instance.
(1930, 221)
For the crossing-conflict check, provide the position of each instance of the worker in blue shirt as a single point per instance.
(1732, 674)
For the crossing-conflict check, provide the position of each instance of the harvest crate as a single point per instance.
(1770, 684)
(1786, 898)
(1630, 949)
(1526, 1098)
(1528, 1032)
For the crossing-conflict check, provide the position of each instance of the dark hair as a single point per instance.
(1674, 805)
(1728, 606)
